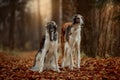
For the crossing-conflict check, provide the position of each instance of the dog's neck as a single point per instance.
(76, 28)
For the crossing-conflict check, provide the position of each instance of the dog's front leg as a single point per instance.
(56, 59)
(78, 56)
(64, 55)
(71, 59)
(42, 61)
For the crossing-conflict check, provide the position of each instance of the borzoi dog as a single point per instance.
(47, 56)
(72, 39)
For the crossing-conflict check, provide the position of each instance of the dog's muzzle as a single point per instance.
(51, 35)
(76, 20)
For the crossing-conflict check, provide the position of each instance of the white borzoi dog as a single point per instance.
(47, 56)
(72, 42)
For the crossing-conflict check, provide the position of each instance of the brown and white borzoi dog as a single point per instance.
(47, 58)
(70, 39)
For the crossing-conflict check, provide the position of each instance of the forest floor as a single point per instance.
(16, 67)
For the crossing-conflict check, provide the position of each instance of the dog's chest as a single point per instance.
(76, 32)
(51, 45)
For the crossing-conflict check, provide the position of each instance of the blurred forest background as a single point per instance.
(22, 23)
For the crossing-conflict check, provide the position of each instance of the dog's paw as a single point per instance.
(71, 67)
(62, 65)
(58, 70)
(40, 71)
(54, 69)
(34, 69)
(78, 66)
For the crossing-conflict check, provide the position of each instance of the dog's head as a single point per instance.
(52, 29)
(78, 19)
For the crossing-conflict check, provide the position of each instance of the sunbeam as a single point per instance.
(42, 7)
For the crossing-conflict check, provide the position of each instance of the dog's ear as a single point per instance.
(56, 26)
(81, 19)
(54, 23)
(73, 18)
(47, 25)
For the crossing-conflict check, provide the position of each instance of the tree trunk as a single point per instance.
(108, 34)
(86, 10)
(68, 10)
(12, 25)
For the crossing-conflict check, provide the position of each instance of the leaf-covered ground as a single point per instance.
(16, 67)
